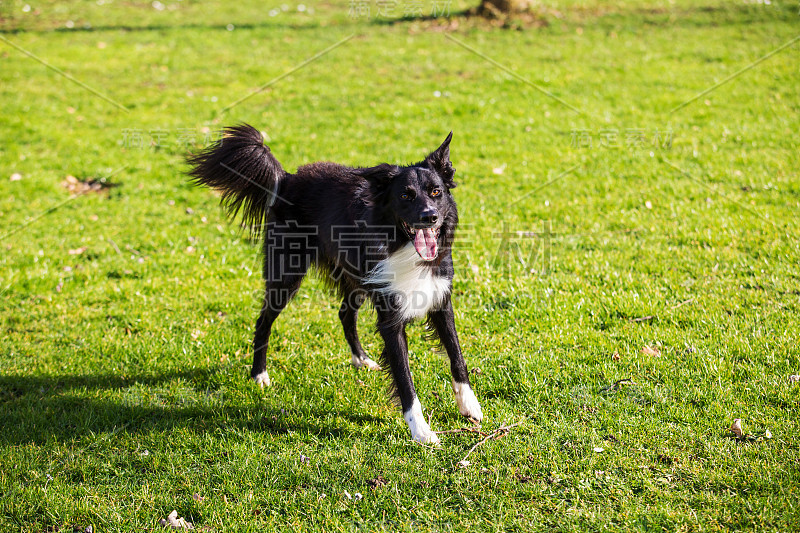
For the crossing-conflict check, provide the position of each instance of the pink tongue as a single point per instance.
(425, 243)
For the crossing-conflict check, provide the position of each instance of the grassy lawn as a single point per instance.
(627, 268)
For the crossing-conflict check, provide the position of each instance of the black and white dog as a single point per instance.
(383, 233)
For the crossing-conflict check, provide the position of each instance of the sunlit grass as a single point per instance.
(619, 242)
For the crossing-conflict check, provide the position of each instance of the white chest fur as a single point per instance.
(415, 285)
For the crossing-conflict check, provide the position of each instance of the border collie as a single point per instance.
(383, 233)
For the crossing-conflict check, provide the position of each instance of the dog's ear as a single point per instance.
(381, 176)
(439, 160)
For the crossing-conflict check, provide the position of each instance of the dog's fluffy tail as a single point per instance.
(244, 170)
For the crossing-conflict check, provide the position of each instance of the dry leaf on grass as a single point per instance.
(736, 428)
(175, 522)
(520, 477)
(738, 433)
(78, 186)
(652, 351)
(376, 482)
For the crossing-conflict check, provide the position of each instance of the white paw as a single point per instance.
(420, 430)
(467, 402)
(367, 363)
(263, 379)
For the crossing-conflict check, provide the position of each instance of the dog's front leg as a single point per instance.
(444, 325)
(348, 314)
(395, 354)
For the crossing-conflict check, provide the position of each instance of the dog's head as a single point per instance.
(418, 198)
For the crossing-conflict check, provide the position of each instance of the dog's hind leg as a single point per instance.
(348, 314)
(395, 354)
(443, 323)
(278, 292)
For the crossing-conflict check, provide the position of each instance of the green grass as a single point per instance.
(123, 367)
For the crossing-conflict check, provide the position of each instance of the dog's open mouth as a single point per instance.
(425, 241)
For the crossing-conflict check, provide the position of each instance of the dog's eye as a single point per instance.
(405, 196)
(436, 192)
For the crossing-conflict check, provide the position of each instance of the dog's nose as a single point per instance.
(429, 217)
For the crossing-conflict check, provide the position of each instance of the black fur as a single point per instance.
(344, 221)
(244, 170)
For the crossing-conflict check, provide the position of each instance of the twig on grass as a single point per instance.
(654, 317)
(115, 246)
(684, 303)
(616, 385)
(462, 430)
(498, 433)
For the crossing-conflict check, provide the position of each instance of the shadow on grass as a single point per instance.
(602, 15)
(161, 27)
(41, 409)
(469, 18)
(700, 15)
